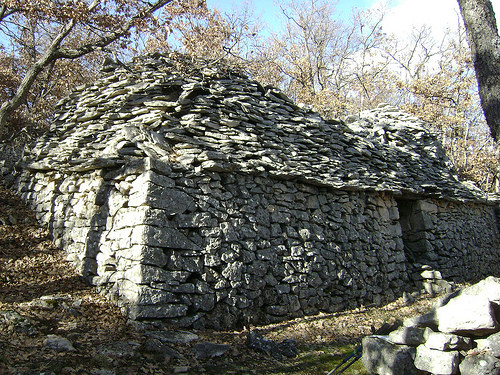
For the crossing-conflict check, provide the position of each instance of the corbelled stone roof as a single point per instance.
(197, 114)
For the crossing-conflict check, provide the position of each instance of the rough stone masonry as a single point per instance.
(187, 192)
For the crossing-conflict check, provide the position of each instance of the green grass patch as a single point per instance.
(314, 360)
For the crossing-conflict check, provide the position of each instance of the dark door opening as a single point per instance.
(414, 225)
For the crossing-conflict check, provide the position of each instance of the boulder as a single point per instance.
(155, 346)
(488, 288)
(482, 363)
(58, 343)
(490, 344)
(461, 322)
(426, 320)
(206, 350)
(467, 314)
(446, 341)
(411, 336)
(287, 348)
(436, 361)
(380, 356)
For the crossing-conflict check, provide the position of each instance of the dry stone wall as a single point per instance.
(209, 117)
(187, 192)
(451, 237)
(221, 249)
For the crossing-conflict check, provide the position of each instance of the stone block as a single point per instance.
(490, 344)
(277, 310)
(206, 350)
(157, 311)
(431, 274)
(411, 336)
(204, 302)
(482, 363)
(436, 361)
(158, 166)
(233, 271)
(58, 343)
(421, 222)
(147, 255)
(380, 356)
(467, 314)
(157, 179)
(427, 206)
(488, 288)
(194, 220)
(425, 320)
(446, 341)
(171, 238)
(142, 274)
(126, 217)
(173, 201)
(144, 295)
(181, 262)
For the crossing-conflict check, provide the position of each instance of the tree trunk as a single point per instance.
(11, 105)
(482, 34)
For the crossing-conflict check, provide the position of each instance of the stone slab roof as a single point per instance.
(196, 114)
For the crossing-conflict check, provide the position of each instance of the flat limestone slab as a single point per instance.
(467, 314)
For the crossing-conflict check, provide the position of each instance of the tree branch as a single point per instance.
(55, 52)
(109, 38)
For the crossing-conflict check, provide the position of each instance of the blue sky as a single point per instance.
(343, 6)
(268, 10)
(400, 17)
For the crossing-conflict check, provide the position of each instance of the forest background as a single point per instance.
(337, 65)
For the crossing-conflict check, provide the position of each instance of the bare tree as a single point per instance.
(319, 59)
(344, 67)
(207, 33)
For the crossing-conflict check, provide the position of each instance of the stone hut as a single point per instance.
(189, 193)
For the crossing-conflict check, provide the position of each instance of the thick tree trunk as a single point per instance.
(482, 34)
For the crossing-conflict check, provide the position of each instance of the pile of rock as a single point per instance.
(430, 280)
(459, 335)
(10, 154)
(213, 117)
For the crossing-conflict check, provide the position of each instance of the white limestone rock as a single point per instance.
(488, 288)
(436, 361)
(380, 356)
(446, 341)
(482, 363)
(490, 344)
(58, 343)
(411, 336)
(467, 314)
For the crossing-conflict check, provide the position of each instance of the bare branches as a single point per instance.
(320, 57)
(110, 37)
(341, 68)
(69, 19)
